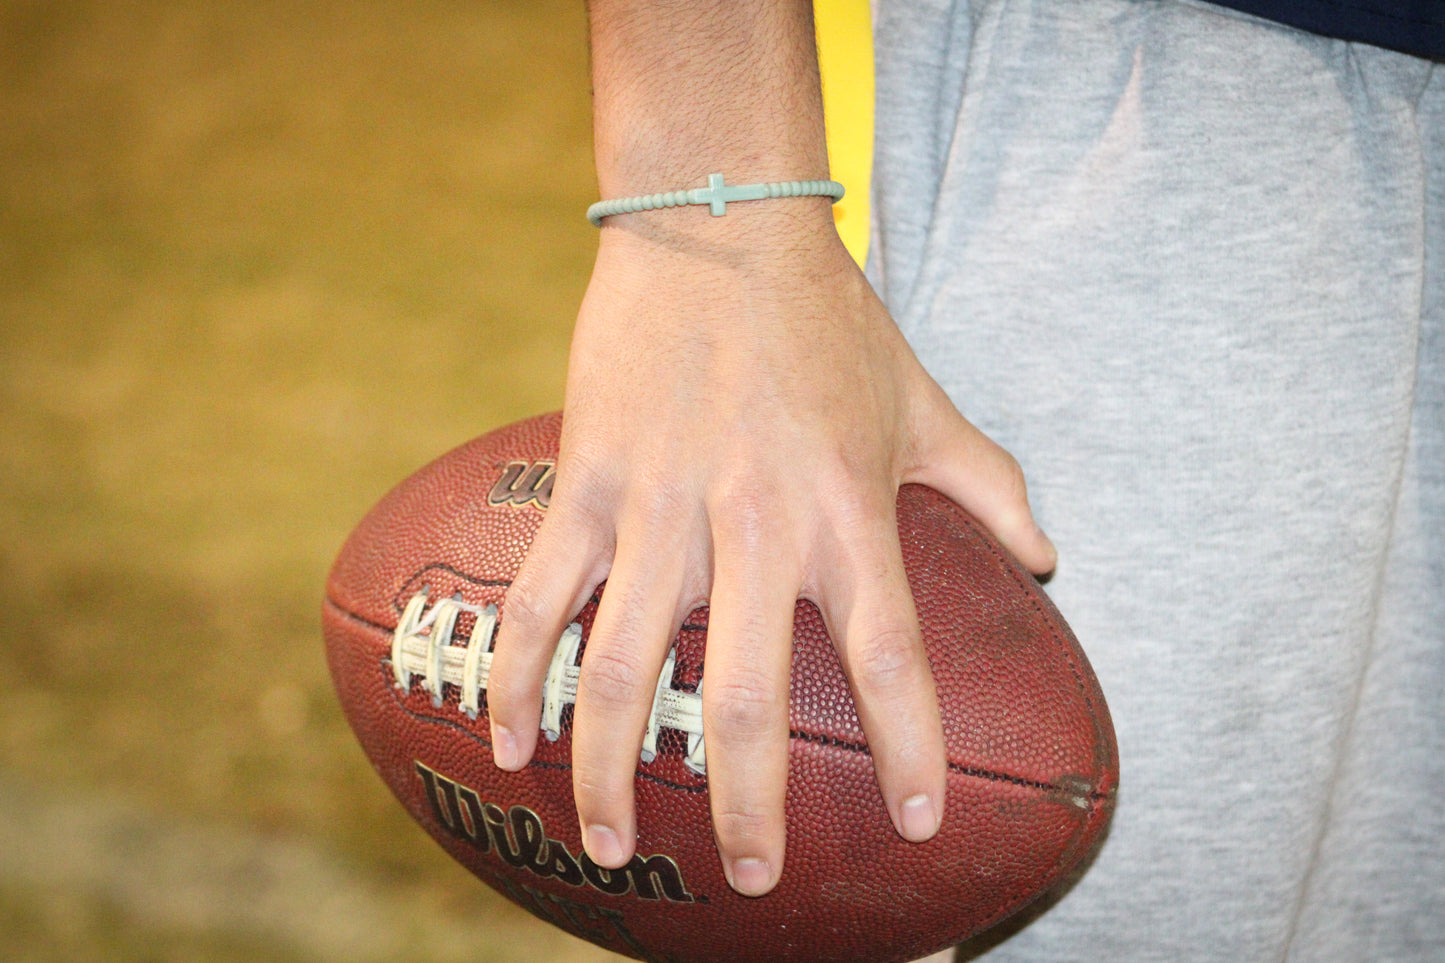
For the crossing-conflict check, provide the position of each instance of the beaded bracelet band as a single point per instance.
(717, 194)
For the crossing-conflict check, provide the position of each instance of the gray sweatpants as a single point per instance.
(1189, 267)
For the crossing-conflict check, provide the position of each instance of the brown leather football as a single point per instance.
(411, 608)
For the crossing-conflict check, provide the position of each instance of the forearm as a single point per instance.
(686, 89)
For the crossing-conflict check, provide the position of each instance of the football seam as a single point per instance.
(1006, 561)
(815, 738)
(956, 767)
(539, 763)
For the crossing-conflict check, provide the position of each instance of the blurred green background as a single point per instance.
(258, 261)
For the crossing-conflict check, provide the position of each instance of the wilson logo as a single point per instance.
(524, 482)
(517, 836)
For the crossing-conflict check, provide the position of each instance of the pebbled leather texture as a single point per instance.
(1033, 766)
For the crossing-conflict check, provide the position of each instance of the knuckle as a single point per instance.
(1008, 478)
(920, 752)
(505, 696)
(581, 510)
(527, 607)
(585, 493)
(658, 522)
(595, 794)
(746, 829)
(857, 515)
(744, 504)
(741, 709)
(887, 661)
(756, 531)
(589, 456)
(656, 491)
(612, 678)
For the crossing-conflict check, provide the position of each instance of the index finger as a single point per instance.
(566, 560)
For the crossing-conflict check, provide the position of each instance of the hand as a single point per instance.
(740, 413)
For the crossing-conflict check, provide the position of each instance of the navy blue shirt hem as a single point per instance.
(1409, 26)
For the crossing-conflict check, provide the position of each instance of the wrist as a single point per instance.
(717, 195)
(753, 242)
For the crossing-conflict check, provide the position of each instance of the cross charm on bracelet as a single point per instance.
(717, 193)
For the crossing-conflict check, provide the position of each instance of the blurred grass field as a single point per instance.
(258, 261)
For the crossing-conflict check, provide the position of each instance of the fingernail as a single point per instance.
(918, 818)
(749, 876)
(504, 747)
(602, 844)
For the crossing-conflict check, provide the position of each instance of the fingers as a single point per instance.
(641, 609)
(646, 597)
(969, 467)
(556, 577)
(745, 698)
(870, 615)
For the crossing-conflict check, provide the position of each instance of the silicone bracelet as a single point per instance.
(717, 195)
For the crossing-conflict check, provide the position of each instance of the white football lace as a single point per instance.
(421, 646)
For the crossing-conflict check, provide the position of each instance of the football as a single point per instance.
(411, 609)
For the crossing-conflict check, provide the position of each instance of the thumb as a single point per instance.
(963, 463)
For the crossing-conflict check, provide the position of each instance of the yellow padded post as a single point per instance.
(845, 58)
